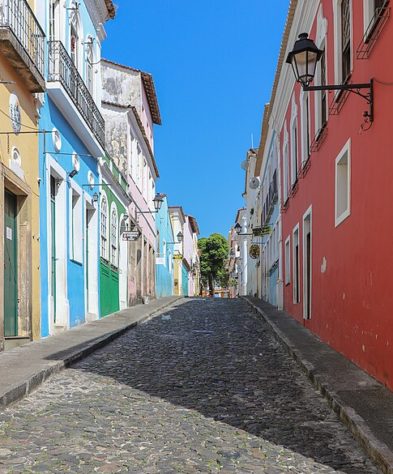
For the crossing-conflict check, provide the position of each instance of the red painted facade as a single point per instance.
(352, 262)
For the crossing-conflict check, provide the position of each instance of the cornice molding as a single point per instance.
(99, 14)
(303, 20)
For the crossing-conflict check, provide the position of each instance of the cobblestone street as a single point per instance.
(203, 388)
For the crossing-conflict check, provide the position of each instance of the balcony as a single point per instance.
(62, 71)
(22, 42)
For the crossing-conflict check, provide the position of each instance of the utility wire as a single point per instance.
(19, 123)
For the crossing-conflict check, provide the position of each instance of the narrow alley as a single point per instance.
(204, 387)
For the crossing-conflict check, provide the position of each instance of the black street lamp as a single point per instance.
(158, 200)
(238, 230)
(179, 239)
(304, 58)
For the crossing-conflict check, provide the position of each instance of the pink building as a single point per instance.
(130, 109)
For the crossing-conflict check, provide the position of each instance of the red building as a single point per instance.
(336, 178)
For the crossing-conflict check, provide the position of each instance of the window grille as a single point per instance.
(381, 14)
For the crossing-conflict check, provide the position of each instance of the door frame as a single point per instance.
(91, 259)
(62, 304)
(307, 300)
(11, 182)
(12, 240)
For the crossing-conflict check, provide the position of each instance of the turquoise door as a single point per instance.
(10, 266)
(184, 280)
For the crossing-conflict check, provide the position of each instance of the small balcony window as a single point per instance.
(345, 40)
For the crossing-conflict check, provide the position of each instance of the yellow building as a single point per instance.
(21, 80)
(178, 219)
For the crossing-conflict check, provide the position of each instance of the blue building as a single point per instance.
(164, 257)
(70, 152)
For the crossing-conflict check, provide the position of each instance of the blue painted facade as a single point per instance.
(67, 248)
(164, 259)
(184, 280)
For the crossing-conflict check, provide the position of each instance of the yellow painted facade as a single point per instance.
(19, 161)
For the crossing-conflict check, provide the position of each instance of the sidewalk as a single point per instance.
(24, 368)
(361, 402)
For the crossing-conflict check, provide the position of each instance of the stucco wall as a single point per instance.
(164, 260)
(188, 243)
(27, 144)
(121, 86)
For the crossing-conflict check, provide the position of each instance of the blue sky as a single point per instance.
(213, 63)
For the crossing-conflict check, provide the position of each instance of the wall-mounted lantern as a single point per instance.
(304, 58)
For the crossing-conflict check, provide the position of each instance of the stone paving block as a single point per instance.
(209, 390)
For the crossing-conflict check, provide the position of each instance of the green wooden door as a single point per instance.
(53, 242)
(10, 266)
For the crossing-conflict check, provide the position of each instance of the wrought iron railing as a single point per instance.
(63, 70)
(20, 19)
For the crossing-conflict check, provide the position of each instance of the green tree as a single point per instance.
(214, 252)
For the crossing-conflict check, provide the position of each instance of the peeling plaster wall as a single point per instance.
(116, 137)
(121, 87)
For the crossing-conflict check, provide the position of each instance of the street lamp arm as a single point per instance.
(355, 88)
(146, 212)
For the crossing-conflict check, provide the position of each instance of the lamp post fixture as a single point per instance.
(238, 230)
(179, 239)
(157, 201)
(304, 58)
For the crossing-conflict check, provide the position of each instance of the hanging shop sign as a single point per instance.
(131, 235)
(254, 251)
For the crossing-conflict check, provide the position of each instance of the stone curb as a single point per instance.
(374, 448)
(23, 389)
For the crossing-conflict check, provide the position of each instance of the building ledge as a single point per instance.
(63, 102)
(20, 60)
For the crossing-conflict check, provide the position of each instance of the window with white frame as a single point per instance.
(54, 20)
(295, 265)
(76, 227)
(138, 160)
(104, 228)
(114, 237)
(288, 260)
(285, 171)
(294, 152)
(343, 184)
(307, 263)
(345, 40)
(144, 179)
(372, 10)
(305, 124)
(321, 97)
(74, 39)
(342, 10)
(89, 65)
(150, 192)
